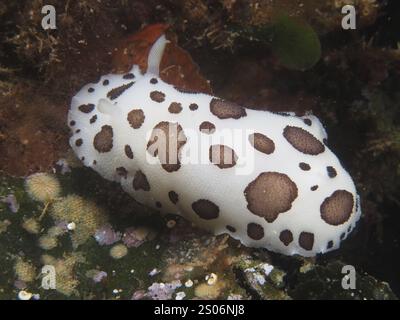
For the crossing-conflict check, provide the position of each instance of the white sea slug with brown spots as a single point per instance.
(267, 179)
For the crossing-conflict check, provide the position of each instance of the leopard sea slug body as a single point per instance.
(267, 179)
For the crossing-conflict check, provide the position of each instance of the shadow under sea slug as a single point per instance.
(267, 179)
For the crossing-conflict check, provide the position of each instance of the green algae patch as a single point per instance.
(295, 43)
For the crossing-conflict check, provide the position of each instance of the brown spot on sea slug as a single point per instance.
(128, 151)
(207, 127)
(175, 107)
(270, 194)
(79, 142)
(337, 208)
(140, 181)
(304, 166)
(157, 96)
(122, 172)
(103, 140)
(303, 140)
(173, 196)
(128, 76)
(286, 237)
(116, 92)
(86, 108)
(166, 140)
(136, 118)
(331, 172)
(225, 109)
(193, 106)
(206, 209)
(262, 143)
(306, 240)
(222, 156)
(255, 231)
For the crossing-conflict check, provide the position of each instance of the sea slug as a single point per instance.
(267, 179)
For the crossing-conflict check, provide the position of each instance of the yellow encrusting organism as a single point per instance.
(86, 216)
(206, 291)
(31, 225)
(25, 271)
(4, 225)
(66, 280)
(47, 242)
(118, 251)
(43, 187)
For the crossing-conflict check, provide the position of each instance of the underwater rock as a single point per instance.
(325, 282)
(262, 280)
(32, 137)
(325, 16)
(206, 291)
(193, 254)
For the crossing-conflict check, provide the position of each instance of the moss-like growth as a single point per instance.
(66, 279)
(31, 225)
(86, 215)
(47, 242)
(25, 270)
(43, 187)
